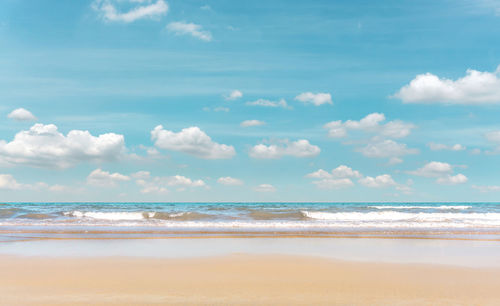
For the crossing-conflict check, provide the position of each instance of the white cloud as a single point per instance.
(371, 124)
(441, 171)
(109, 11)
(475, 87)
(206, 7)
(491, 188)
(179, 180)
(344, 171)
(21, 114)
(329, 183)
(493, 136)
(387, 149)
(439, 147)
(101, 178)
(341, 171)
(380, 181)
(452, 179)
(141, 175)
(217, 109)
(339, 177)
(230, 181)
(316, 99)
(192, 141)
(160, 185)
(320, 174)
(8, 182)
(268, 103)
(44, 146)
(234, 95)
(60, 188)
(433, 169)
(249, 123)
(299, 148)
(265, 188)
(195, 30)
(221, 109)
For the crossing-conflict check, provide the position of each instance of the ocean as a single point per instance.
(456, 220)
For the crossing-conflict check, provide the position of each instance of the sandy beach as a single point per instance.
(240, 279)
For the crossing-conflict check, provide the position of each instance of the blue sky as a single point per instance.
(84, 83)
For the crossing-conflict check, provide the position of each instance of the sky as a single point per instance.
(164, 100)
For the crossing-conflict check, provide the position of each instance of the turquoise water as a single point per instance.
(469, 217)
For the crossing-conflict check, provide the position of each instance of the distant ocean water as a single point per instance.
(406, 218)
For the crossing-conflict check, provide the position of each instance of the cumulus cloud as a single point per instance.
(440, 147)
(249, 123)
(217, 109)
(109, 10)
(21, 114)
(371, 123)
(230, 181)
(433, 169)
(192, 141)
(387, 148)
(268, 103)
(490, 188)
(194, 30)
(101, 178)
(441, 171)
(316, 99)
(234, 95)
(160, 185)
(299, 148)
(341, 171)
(452, 179)
(380, 181)
(475, 87)
(329, 183)
(265, 188)
(8, 182)
(141, 175)
(339, 177)
(380, 145)
(44, 146)
(494, 138)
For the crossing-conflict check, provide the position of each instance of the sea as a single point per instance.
(421, 220)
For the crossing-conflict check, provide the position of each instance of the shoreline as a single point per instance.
(117, 233)
(472, 253)
(240, 279)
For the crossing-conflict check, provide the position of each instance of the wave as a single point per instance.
(268, 215)
(9, 212)
(35, 216)
(401, 216)
(442, 207)
(131, 216)
(113, 216)
(183, 216)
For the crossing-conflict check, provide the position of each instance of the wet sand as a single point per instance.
(240, 279)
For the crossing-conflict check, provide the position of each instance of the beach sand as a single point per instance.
(240, 280)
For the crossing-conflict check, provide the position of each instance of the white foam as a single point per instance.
(390, 216)
(112, 216)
